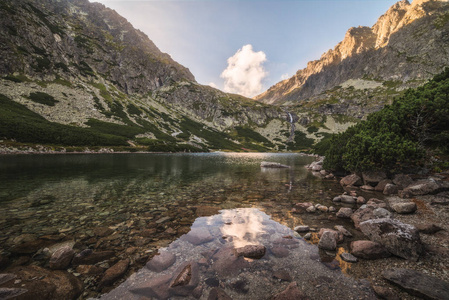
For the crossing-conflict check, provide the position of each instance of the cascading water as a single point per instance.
(292, 127)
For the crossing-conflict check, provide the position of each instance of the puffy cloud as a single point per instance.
(213, 85)
(245, 72)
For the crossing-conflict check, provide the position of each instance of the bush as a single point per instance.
(43, 98)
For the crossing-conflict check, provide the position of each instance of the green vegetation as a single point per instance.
(248, 135)
(399, 136)
(21, 124)
(17, 79)
(43, 98)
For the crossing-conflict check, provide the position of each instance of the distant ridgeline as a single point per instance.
(401, 136)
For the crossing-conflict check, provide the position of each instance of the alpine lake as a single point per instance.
(195, 209)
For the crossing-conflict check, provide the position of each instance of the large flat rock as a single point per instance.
(418, 284)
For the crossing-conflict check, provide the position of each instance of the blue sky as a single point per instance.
(203, 34)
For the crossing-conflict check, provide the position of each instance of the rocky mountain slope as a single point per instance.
(77, 73)
(407, 46)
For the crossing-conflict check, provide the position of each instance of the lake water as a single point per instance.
(149, 201)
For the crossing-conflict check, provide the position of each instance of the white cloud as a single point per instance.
(285, 76)
(245, 72)
(213, 85)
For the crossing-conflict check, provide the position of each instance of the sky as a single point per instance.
(246, 46)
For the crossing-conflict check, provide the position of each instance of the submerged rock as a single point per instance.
(61, 258)
(290, 293)
(161, 262)
(418, 284)
(218, 294)
(114, 272)
(251, 251)
(268, 164)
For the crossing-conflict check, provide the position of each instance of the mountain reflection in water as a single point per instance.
(205, 258)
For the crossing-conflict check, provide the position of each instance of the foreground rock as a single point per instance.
(368, 212)
(114, 273)
(61, 258)
(161, 262)
(398, 238)
(418, 284)
(425, 187)
(328, 241)
(268, 164)
(368, 250)
(251, 251)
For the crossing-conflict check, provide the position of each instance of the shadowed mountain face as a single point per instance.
(79, 68)
(407, 45)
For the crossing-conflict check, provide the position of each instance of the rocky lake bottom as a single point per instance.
(144, 226)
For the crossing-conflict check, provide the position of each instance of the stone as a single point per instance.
(41, 283)
(402, 180)
(372, 178)
(361, 200)
(348, 257)
(89, 270)
(198, 236)
(115, 272)
(343, 230)
(282, 275)
(425, 187)
(362, 214)
(398, 238)
(91, 257)
(311, 209)
(155, 287)
(28, 244)
(323, 208)
(302, 207)
(308, 236)
(337, 199)
(218, 294)
(61, 259)
(338, 235)
(103, 231)
(251, 251)
(404, 207)
(390, 189)
(185, 280)
(351, 180)
(268, 164)
(161, 262)
(344, 212)
(279, 251)
(367, 187)
(348, 199)
(290, 293)
(332, 209)
(302, 228)
(368, 250)
(418, 284)
(428, 228)
(381, 185)
(328, 241)
(380, 213)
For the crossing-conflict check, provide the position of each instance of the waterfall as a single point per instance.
(292, 127)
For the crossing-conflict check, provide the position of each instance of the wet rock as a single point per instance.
(398, 238)
(390, 189)
(385, 293)
(351, 180)
(102, 231)
(218, 294)
(282, 275)
(198, 236)
(268, 164)
(311, 209)
(185, 280)
(301, 228)
(361, 200)
(8, 293)
(155, 287)
(226, 263)
(348, 199)
(343, 230)
(239, 285)
(418, 284)
(41, 283)
(381, 185)
(27, 244)
(404, 207)
(367, 187)
(348, 257)
(402, 181)
(368, 250)
(61, 259)
(279, 251)
(161, 262)
(338, 235)
(91, 257)
(344, 212)
(328, 241)
(114, 273)
(425, 187)
(302, 207)
(89, 270)
(251, 251)
(428, 228)
(372, 178)
(290, 293)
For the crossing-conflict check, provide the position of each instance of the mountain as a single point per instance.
(75, 73)
(406, 47)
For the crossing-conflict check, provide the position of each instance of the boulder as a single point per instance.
(328, 241)
(427, 228)
(368, 212)
(418, 284)
(161, 262)
(402, 180)
(344, 212)
(398, 238)
(348, 199)
(339, 237)
(390, 189)
(351, 180)
(425, 187)
(114, 273)
(61, 259)
(368, 250)
(251, 251)
(372, 178)
(381, 185)
(404, 207)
